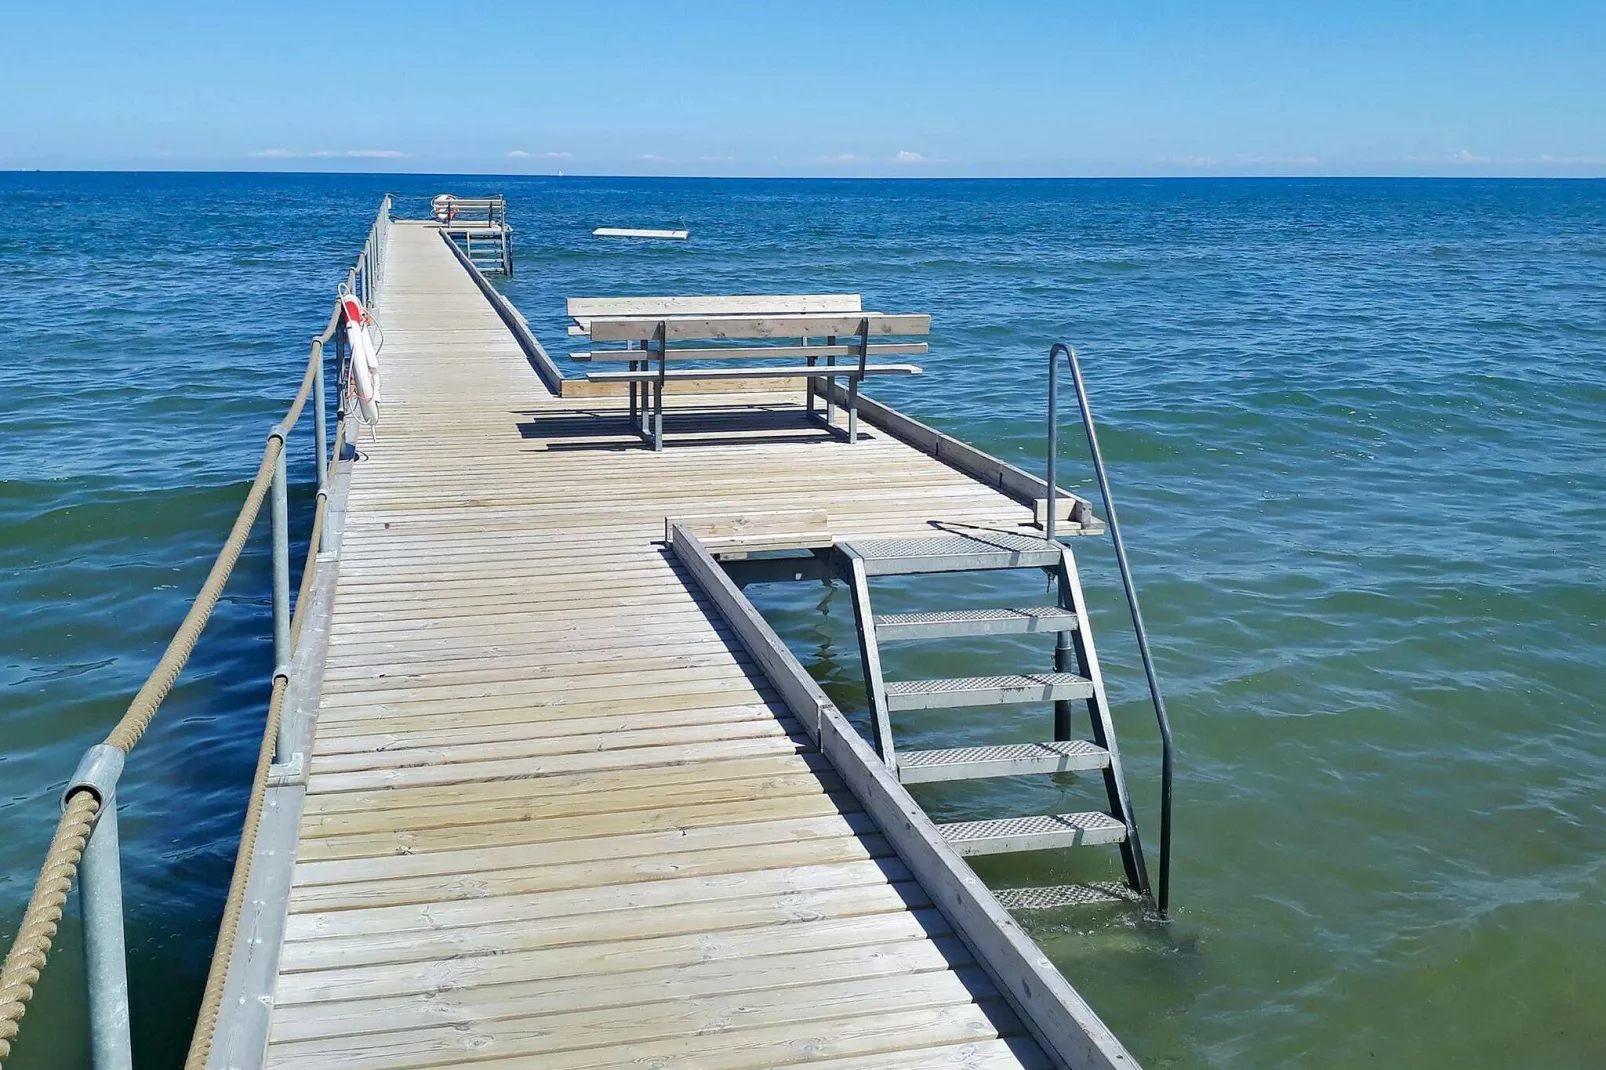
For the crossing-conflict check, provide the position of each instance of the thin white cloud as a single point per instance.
(1572, 161)
(841, 157)
(1280, 161)
(717, 159)
(517, 154)
(320, 154)
(1463, 158)
(520, 154)
(1193, 161)
(905, 156)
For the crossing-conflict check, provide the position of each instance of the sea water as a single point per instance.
(1356, 429)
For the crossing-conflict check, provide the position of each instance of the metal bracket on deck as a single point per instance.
(289, 772)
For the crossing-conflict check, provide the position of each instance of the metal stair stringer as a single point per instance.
(1069, 581)
(870, 657)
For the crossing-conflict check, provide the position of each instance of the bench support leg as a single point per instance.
(830, 384)
(658, 416)
(855, 380)
(660, 336)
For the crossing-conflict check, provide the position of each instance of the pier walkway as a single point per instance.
(553, 811)
(539, 788)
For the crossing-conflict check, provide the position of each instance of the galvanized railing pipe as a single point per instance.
(320, 415)
(1163, 898)
(281, 579)
(100, 900)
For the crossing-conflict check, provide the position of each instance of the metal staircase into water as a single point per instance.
(479, 227)
(1073, 677)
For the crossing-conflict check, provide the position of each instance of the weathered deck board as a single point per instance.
(555, 816)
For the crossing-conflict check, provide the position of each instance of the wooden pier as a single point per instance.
(564, 802)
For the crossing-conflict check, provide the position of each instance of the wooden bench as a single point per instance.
(583, 309)
(648, 325)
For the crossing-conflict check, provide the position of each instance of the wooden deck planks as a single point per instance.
(555, 816)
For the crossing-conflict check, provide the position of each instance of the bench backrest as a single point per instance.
(801, 325)
(584, 309)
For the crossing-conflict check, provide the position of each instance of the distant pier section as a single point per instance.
(478, 225)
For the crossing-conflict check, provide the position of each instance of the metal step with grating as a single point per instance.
(985, 690)
(941, 625)
(1009, 759)
(953, 553)
(1056, 896)
(1012, 834)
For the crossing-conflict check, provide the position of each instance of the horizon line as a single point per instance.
(1381, 176)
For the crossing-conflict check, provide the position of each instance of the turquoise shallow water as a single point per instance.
(1357, 429)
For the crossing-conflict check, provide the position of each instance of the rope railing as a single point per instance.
(89, 803)
(223, 952)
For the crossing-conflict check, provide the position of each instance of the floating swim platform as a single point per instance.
(635, 232)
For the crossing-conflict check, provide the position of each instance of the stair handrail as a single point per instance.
(1163, 900)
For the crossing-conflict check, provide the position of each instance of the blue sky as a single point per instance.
(810, 88)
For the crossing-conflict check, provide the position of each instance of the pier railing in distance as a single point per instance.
(1163, 895)
(478, 218)
(85, 843)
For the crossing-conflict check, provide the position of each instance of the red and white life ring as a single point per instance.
(364, 359)
(444, 208)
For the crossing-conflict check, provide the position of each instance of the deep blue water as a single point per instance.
(1358, 429)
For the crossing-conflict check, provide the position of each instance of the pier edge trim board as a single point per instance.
(1015, 483)
(1052, 1010)
(548, 372)
(245, 1013)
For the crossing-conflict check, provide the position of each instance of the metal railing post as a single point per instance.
(100, 899)
(320, 418)
(1163, 898)
(1053, 439)
(281, 580)
(1064, 655)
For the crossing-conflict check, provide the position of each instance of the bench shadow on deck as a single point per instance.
(691, 423)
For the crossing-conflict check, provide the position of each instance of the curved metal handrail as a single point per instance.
(1163, 899)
